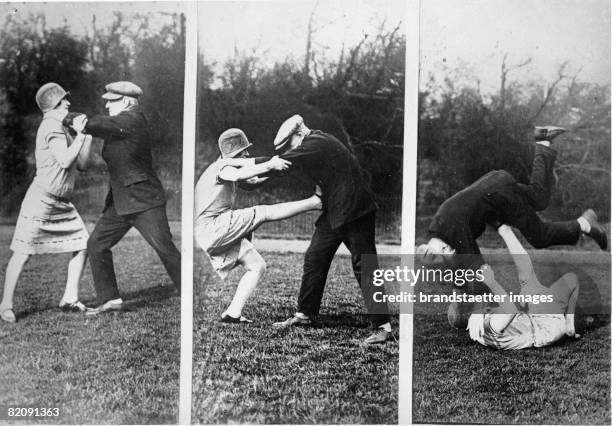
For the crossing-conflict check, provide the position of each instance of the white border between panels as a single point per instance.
(189, 139)
(411, 115)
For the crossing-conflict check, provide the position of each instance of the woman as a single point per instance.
(224, 232)
(48, 221)
(548, 315)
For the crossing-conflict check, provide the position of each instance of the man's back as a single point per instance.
(135, 186)
(463, 217)
(346, 194)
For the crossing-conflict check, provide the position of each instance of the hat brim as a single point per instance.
(238, 151)
(111, 96)
(66, 96)
(280, 145)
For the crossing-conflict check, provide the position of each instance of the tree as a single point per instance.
(149, 51)
(358, 97)
(32, 55)
(463, 134)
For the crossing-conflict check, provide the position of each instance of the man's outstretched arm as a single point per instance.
(100, 126)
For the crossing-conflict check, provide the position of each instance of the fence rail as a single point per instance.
(90, 194)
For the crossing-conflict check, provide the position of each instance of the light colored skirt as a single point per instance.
(48, 224)
(221, 236)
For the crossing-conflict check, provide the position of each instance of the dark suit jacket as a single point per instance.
(134, 185)
(346, 194)
(463, 217)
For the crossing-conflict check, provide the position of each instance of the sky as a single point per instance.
(78, 15)
(453, 33)
(550, 32)
(278, 29)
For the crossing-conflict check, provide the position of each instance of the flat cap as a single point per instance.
(118, 89)
(286, 130)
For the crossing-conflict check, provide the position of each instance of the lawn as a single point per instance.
(459, 381)
(319, 375)
(118, 368)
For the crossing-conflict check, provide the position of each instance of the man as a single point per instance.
(224, 232)
(348, 217)
(136, 197)
(542, 323)
(497, 198)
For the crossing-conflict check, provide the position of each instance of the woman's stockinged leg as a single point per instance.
(13, 271)
(292, 208)
(255, 268)
(75, 271)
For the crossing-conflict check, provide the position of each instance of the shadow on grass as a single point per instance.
(107, 369)
(133, 300)
(258, 374)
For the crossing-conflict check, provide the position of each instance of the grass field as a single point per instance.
(459, 381)
(318, 375)
(119, 368)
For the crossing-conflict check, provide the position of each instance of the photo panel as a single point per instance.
(512, 311)
(91, 122)
(298, 176)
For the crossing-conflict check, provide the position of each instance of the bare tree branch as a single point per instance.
(351, 64)
(387, 54)
(585, 168)
(392, 122)
(505, 69)
(549, 92)
(307, 56)
(347, 137)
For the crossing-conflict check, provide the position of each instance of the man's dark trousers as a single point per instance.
(111, 227)
(535, 197)
(358, 236)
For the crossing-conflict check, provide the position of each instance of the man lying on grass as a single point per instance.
(224, 232)
(539, 324)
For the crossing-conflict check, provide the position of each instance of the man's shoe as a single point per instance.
(379, 336)
(73, 307)
(105, 307)
(597, 232)
(233, 320)
(293, 321)
(8, 315)
(547, 133)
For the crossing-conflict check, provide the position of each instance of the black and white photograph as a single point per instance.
(91, 116)
(351, 212)
(298, 176)
(514, 184)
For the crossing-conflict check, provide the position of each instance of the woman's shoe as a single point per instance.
(8, 315)
(233, 320)
(72, 307)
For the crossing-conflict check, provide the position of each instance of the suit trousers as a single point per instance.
(358, 236)
(521, 213)
(110, 229)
